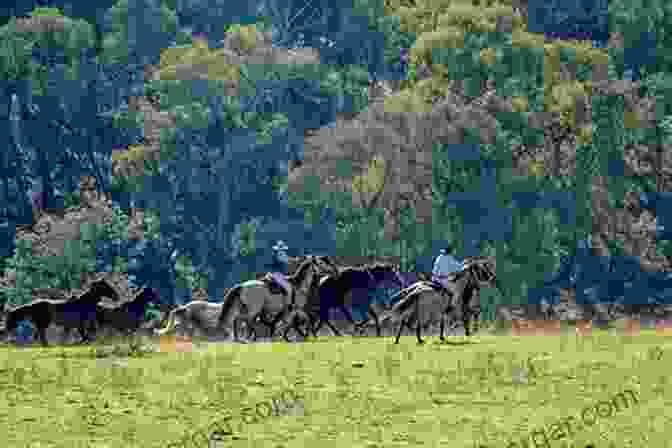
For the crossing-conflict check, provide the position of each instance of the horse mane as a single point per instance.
(484, 264)
(11, 309)
(353, 269)
(91, 292)
(231, 296)
(301, 270)
(327, 260)
(481, 260)
(381, 267)
(123, 305)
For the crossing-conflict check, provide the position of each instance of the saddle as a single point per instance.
(273, 286)
(430, 285)
(439, 288)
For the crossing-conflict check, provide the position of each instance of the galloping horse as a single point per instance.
(197, 314)
(77, 313)
(351, 288)
(254, 299)
(127, 317)
(422, 303)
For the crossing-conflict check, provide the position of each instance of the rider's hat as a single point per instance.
(446, 250)
(280, 246)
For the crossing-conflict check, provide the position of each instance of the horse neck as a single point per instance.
(468, 285)
(369, 273)
(138, 303)
(486, 268)
(346, 280)
(88, 297)
(300, 274)
(142, 300)
(304, 279)
(382, 276)
(463, 280)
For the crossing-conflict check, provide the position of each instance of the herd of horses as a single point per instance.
(318, 288)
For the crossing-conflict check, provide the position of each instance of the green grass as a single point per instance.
(356, 392)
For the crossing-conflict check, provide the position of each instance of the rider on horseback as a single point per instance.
(277, 277)
(445, 265)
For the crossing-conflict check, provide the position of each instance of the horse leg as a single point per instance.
(465, 322)
(401, 327)
(42, 335)
(443, 324)
(92, 330)
(373, 314)
(417, 331)
(333, 328)
(235, 329)
(304, 318)
(288, 326)
(317, 326)
(83, 333)
(273, 326)
(345, 311)
(65, 335)
(236, 335)
(297, 327)
(313, 327)
(324, 319)
(293, 322)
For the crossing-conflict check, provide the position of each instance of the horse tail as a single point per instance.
(231, 297)
(393, 312)
(171, 323)
(409, 299)
(4, 316)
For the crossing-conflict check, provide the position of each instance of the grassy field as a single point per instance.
(354, 392)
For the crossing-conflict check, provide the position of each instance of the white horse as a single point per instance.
(198, 315)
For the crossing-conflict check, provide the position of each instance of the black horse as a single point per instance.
(127, 317)
(77, 313)
(351, 289)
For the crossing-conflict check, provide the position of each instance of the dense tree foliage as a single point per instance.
(214, 200)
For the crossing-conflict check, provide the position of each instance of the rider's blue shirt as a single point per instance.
(445, 265)
(280, 264)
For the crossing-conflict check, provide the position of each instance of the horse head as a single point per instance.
(99, 289)
(148, 295)
(326, 266)
(478, 273)
(10, 321)
(3, 320)
(307, 275)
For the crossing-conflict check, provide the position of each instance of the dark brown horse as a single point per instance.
(77, 313)
(351, 288)
(127, 317)
(252, 300)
